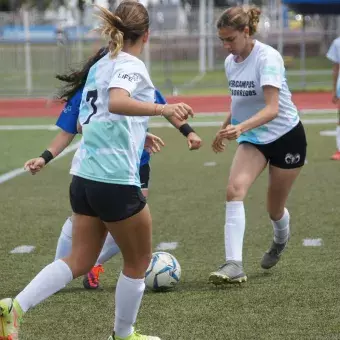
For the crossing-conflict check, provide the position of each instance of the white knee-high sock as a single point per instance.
(129, 294)
(338, 137)
(281, 228)
(235, 224)
(110, 249)
(50, 280)
(64, 245)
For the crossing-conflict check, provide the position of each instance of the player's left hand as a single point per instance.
(34, 165)
(231, 132)
(194, 141)
(153, 143)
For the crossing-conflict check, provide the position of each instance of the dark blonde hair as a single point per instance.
(239, 18)
(129, 21)
(76, 79)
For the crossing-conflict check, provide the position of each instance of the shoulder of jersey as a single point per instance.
(228, 59)
(265, 51)
(125, 58)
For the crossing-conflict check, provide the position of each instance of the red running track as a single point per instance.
(200, 104)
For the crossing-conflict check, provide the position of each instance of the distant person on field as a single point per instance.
(333, 55)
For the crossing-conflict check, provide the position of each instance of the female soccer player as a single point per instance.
(67, 122)
(333, 55)
(105, 190)
(266, 125)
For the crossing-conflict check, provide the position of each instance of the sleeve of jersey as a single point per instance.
(128, 76)
(67, 120)
(272, 71)
(333, 53)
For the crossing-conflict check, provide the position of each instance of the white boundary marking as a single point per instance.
(28, 127)
(17, 172)
(301, 112)
(328, 133)
(22, 250)
(167, 246)
(210, 164)
(158, 124)
(312, 242)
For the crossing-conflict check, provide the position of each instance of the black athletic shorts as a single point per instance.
(287, 152)
(144, 174)
(109, 202)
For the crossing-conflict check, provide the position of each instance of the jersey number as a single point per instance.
(91, 97)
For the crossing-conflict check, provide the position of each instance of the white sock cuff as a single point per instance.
(284, 216)
(63, 266)
(234, 203)
(234, 206)
(131, 280)
(67, 227)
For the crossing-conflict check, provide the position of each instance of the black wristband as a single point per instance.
(47, 156)
(185, 129)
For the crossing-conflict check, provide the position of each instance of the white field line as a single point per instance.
(158, 125)
(210, 164)
(17, 172)
(327, 133)
(312, 242)
(167, 246)
(28, 127)
(22, 250)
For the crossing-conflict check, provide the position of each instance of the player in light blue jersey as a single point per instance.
(266, 125)
(67, 122)
(105, 190)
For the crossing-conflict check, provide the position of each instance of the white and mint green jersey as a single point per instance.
(333, 55)
(112, 144)
(264, 66)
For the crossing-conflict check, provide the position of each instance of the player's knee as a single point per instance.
(275, 212)
(137, 266)
(79, 266)
(236, 191)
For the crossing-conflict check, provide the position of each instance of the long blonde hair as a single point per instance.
(239, 17)
(128, 23)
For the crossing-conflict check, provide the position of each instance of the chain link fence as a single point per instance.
(183, 56)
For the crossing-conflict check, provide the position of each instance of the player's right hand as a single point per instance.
(180, 111)
(217, 144)
(34, 165)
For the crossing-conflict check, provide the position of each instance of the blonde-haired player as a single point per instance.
(266, 125)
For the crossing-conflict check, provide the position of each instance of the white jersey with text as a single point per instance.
(264, 66)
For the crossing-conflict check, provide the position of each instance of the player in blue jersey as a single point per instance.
(105, 192)
(67, 122)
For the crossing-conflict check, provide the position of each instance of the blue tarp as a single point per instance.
(317, 2)
(314, 6)
(41, 34)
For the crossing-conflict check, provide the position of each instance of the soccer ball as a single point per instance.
(163, 272)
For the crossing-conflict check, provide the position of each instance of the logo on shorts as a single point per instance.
(292, 159)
